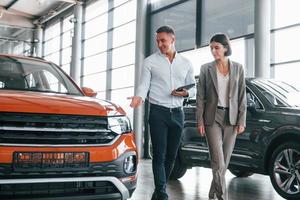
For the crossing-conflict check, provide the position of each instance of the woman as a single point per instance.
(221, 109)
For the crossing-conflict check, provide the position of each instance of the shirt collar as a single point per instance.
(163, 55)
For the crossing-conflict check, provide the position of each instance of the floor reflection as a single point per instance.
(196, 182)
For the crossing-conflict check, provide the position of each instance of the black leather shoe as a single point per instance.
(154, 196)
(162, 196)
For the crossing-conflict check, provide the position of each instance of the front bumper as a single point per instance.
(102, 179)
(122, 194)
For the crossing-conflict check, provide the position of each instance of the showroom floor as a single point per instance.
(194, 185)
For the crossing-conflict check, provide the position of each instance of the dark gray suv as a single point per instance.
(270, 144)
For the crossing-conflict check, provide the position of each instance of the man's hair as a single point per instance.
(166, 29)
(224, 40)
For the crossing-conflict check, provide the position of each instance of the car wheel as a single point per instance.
(179, 169)
(284, 170)
(240, 173)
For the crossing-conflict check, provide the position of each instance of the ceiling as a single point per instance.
(18, 18)
(32, 8)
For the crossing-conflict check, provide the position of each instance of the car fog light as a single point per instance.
(130, 164)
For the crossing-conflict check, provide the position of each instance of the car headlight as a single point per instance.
(119, 125)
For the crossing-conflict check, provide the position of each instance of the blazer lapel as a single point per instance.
(213, 74)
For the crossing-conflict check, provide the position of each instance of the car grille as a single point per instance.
(65, 189)
(44, 129)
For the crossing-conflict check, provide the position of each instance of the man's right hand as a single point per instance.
(201, 129)
(135, 101)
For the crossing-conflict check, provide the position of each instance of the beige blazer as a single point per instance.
(207, 94)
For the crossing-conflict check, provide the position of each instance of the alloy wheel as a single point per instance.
(286, 171)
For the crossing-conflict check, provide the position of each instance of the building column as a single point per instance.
(38, 41)
(262, 37)
(75, 70)
(249, 61)
(110, 25)
(138, 114)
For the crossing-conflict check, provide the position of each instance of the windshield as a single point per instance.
(33, 75)
(279, 93)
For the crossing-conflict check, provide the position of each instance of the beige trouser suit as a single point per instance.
(219, 122)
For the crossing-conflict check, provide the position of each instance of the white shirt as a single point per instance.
(223, 89)
(160, 78)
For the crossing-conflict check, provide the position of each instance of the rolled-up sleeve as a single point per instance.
(144, 81)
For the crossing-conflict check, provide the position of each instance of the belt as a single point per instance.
(176, 109)
(223, 108)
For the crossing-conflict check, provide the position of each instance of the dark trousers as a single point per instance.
(165, 130)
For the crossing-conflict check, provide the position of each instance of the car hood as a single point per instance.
(49, 103)
(289, 111)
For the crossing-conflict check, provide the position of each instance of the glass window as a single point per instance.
(101, 95)
(23, 74)
(286, 12)
(120, 97)
(233, 17)
(52, 31)
(52, 45)
(203, 55)
(183, 19)
(119, 2)
(53, 82)
(66, 55)
(95, 9)
(198, 57)
(67, 25)
(94, 64)
(251, 98)
(124, 13)
(54, 57)
(96, 82)
(66, 68)
(238, 51)
(124, 34)
(96, 26)
(18, 50)
(284, 42)
(123, 77)
(67, 39)
(288, 73)
(157, 4)
(95, 45)
(123, 56)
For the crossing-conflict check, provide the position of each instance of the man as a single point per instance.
(162, 73)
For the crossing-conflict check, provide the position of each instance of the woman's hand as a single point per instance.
(201, 129)
(239, 129)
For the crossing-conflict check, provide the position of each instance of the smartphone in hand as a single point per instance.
(189, 86)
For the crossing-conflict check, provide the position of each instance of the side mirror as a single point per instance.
(89, 92)
(251, 105)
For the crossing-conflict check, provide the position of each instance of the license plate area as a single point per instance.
(50, 161)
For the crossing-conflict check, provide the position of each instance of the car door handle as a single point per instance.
(264, 120)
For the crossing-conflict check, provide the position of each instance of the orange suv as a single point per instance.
(57, 140)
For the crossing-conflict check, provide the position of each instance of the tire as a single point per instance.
(240, 173)
(284, 170)
(179, 169)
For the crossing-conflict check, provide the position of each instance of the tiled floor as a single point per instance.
(194, 185)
